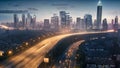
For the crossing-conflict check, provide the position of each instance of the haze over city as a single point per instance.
(59, 34)
(76, 8)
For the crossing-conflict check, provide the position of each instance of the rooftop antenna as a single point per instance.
(99, 3)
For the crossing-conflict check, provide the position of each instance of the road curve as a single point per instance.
(32, 57)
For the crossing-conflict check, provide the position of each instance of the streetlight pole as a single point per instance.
(46, 60)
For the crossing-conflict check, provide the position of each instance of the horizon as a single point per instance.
(76, 8)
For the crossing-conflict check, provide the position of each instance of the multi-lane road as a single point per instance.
(68, 59)
(32, 57)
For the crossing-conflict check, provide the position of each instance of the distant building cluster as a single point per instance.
(28, 22)
(63, 21)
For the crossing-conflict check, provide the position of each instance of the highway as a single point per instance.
(32, 57)
(68, 61)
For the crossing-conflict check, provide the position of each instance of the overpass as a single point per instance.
(34, 56)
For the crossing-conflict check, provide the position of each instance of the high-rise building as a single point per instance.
(116, 23)
(63, 18)
(105, 24)
(94, 24)
(82, 24)
(99, 15)
(33, 22)
(16, 21)
(28, 20)
(46, 24)
(116, 20)
(55, 22)
(68, 21)
(88, 21)
(78, 23)
(23, 20)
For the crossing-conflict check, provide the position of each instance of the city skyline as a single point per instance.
(59, 34)
(76, 8)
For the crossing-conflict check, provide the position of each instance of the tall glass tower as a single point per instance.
(99, 14)
(88, 21)
(16, 21)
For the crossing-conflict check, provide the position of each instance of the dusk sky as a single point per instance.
(46, 8)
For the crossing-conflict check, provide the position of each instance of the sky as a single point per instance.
(44, 9)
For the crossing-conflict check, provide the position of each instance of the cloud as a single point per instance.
(16, 5)
(33, 9)
(13, 11)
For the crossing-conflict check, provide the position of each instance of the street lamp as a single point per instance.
(46, 60)
(39, 38)
(26, 43)
(33, 40)
(1, 53)
(10, 52)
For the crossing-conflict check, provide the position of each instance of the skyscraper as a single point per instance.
(99, 15)
(82, 24)
(68, 21)
(55, 22)
(63, 18)
(105, 24)
(78, 23)
(46, 24)
(23, 20)
(116, 20)
(28, 20)
(33, 22)
(112, 24)
(116, 23)
(88, 21)
(16, 21)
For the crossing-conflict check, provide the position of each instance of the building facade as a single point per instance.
(99, 15)
(88, 21)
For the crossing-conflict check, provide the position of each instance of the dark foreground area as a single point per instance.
(99, 53)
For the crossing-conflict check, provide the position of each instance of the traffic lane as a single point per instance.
(70, 53)
(11, 62)
(31, 50)
(17, 59)
(35, 59)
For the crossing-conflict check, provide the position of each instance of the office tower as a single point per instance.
(33, 22)
(99, 14)
(46, 24)
(116, 23)
(28, 20)
(112, 22)
(88, 21)
(116, 20)
(16, 21)
(105, 24)
(68, 21)
(94, 24)
(63, 19)
(23, 20)
(55, 22)
(82, 24)
(78, 23)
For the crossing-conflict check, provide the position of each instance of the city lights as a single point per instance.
(46, 60)
(59, 34)
(26, 43)
(1, 53)
(10, 52)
